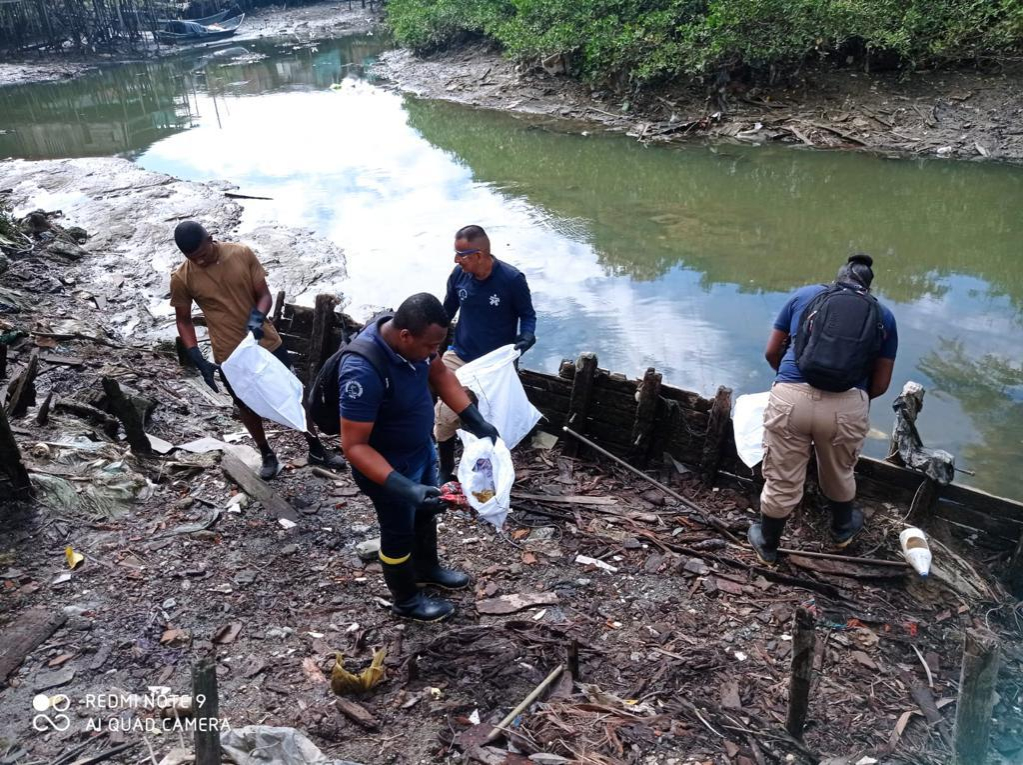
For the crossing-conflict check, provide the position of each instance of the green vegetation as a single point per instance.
(647, 40)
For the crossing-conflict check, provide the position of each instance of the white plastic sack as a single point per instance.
(486, 466)
(502, 401)
(748, 426)
(264, 384)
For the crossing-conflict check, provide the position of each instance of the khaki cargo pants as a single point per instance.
(445, 421)
(798, 416)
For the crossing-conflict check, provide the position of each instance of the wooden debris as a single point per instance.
(524, 704)
(804, 640)
(10, 461)
(579, 403)
(21, 391)
(97, 417)
(976, 697)
(207, 711)
(509, 604)
(28, 631)
(129, 415)
(357, 713)
(719, 426)
(256, 487)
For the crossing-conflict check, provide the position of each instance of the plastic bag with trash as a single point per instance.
(259, 744)
(486, 473)
(499, 393)
(265, 385)
(748, 426)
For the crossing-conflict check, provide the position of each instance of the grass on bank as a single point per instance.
(641, 41)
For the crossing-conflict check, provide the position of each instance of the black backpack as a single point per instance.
(839, 337)
(324, 399)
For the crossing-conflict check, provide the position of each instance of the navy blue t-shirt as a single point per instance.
(492, 311)
(792, 313)
(403, 418)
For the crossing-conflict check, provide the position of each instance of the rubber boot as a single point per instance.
(446, 452)
(271, 466)
(846, 522)
(409, 601)
(765, 537)
(426, 561)
(320, 455)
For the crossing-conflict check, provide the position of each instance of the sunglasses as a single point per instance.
(465, 253)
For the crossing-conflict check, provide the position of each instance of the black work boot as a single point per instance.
(446, 452)
(426, 561)
(271, 466)
(765, 537)
(846, 522)
(409, 602)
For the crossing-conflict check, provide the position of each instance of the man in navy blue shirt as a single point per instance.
(386, 424)
(494, 309)
(834, 423)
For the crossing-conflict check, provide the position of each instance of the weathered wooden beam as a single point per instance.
(319, 336)
(10, 462)
(976, 697)
(131, 418)
(26, 633)
(43, 415)
(579, 404)
(256, 487)
(206, 713)
(278, 310)
(804, 641)
(1014, 574)
(648, 397)
(719, 424)
(21, 392)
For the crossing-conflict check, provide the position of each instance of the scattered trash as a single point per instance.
(369, 549)
(487, 473)
(915, 550)
(588, 561)
(452, 494)
(285, 523)
(227, 633)
(73, 558)
(267, 745)
(344, 682)
(509, 604)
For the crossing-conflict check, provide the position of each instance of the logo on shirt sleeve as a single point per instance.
(462, 294)
(495, 300)
(353, 389)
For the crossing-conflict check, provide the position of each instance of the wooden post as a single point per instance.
(21, 392)
(976, 697)
(579, 403)
(804, 641)
(129, 415)
(718, 424)
(43, 415)
(3, 360)
(10, 460)
(319, 337)
(278, 310)
(647, 398)
(207, 711)
(1014, 575)
(573, 660)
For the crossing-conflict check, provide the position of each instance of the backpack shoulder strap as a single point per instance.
(373, 353)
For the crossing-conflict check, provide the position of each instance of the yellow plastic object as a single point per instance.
(73, 558)
(343, 682)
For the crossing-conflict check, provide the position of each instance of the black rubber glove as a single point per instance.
(206, 369)
(255, 324)
(473, 421)
(525, 341)
(419, 495)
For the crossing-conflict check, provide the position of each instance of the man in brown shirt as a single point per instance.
(229, 284)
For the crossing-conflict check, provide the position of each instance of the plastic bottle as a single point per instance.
(915, 550)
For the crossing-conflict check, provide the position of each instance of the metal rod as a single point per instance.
(710, 521)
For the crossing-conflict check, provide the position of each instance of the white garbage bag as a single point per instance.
(486, 467)
(748, 426)
(264, 384)
(501, 399)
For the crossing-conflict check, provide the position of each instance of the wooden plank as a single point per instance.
(256, 487)
(977, 681)
(582, 391)
(27, 632)
(979, 500)
(207, 733)
(56, 358)
(571, 499)
(687, 398)
(21, 392)
(965, 516)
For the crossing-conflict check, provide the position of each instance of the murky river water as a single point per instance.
(677, 258)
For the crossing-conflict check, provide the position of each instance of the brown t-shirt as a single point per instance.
(225, 293)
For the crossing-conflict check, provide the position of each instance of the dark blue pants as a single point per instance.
(398, 520)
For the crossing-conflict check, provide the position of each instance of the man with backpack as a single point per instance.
(494, 309)
(385, 378)
(229, 284)
(833, 347)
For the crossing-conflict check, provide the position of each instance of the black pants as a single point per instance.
(398, 520)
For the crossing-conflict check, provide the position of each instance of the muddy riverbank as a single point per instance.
(301, 24)
(956, 113)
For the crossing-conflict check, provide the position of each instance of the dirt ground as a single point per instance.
(302, 23)
(962, 113)
(677, 643)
